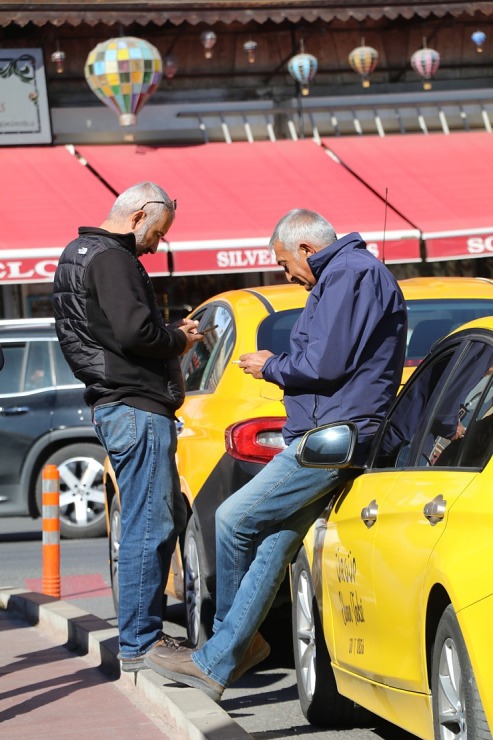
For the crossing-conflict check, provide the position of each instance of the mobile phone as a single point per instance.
(210, 328)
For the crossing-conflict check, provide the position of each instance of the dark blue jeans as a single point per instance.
(142, 446)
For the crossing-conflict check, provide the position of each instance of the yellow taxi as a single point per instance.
(230, 424)
(393, 588)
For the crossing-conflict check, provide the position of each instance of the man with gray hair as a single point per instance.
(345, 364)
(116, 342)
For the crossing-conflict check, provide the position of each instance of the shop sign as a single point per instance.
(461, 246)
(226, 260)
(24, 110)
(27, 270)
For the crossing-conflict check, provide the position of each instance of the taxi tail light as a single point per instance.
(255, 440)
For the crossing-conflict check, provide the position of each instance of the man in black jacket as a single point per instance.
(115, 340)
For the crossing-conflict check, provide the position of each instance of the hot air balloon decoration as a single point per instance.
(170, 66)
(208, 40)
(425, 62)
(58, 57)
(363, 60)
(303, 68)
(479, 38)
(250, 47)
(123, 73)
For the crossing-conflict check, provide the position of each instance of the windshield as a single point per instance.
(429, 320)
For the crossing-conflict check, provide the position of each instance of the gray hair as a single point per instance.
(301, 225)
(135, 197)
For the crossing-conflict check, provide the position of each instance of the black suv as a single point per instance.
(44, 420)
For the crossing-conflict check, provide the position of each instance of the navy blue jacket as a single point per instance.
(347, 347)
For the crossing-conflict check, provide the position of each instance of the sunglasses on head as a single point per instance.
(174, 203)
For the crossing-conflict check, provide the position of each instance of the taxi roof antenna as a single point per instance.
(384, 225)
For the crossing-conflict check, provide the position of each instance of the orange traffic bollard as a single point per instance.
(50, 584)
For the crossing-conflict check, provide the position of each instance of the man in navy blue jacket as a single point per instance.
(345, 364)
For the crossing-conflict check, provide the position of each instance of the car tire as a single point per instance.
(457, 707)
(321, 703)
(82, 512)
(114, 534)
(199, 605)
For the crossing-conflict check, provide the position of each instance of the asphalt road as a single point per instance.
(264, 703)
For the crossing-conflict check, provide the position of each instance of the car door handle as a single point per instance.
(369, 513)
(434, 510)
(14, 410)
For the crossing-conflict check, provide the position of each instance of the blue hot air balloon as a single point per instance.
(303, 67)
(479, 38)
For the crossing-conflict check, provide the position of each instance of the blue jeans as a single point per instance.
(259, 529)
(141, 447)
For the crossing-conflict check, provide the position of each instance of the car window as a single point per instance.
(274, 331)
(12, 375)
(461, 428)
(429, 320)
(38, 368)
(404, 425)
(63, 373)
(439, 418)
(204, 365)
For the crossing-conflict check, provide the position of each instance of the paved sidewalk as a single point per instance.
(47, 691)
(60, 679)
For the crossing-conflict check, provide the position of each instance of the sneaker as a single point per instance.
(258, 651)
(135, 664)
(176, 664)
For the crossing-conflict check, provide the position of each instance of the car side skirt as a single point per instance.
(406, 709)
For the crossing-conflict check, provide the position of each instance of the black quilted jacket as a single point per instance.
(110, 328)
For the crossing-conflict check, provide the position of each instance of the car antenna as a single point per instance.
(385, 224)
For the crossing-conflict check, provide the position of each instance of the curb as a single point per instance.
(191, 710)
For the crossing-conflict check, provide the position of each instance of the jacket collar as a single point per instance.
(125, 240)
(318, 261)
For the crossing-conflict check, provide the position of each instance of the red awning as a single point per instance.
(45, 195)
(442, 184)
(230, 197)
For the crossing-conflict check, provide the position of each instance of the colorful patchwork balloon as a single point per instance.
(363, 60)
(123, 73)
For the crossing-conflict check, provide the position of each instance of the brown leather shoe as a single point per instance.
(258, 651)
(136, 663)
(176, 664)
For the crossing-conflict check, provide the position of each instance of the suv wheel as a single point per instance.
(81, 490)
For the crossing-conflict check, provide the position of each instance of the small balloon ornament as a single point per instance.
(170, 66)
(303, 68)
(208, 40)
(123, 73)
(426, 62)
(363, 60)
(479, 38)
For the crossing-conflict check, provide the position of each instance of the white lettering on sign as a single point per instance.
(245, 258)
(15, 270)
(480, 244)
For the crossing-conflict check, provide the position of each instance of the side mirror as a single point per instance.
(330, 446)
